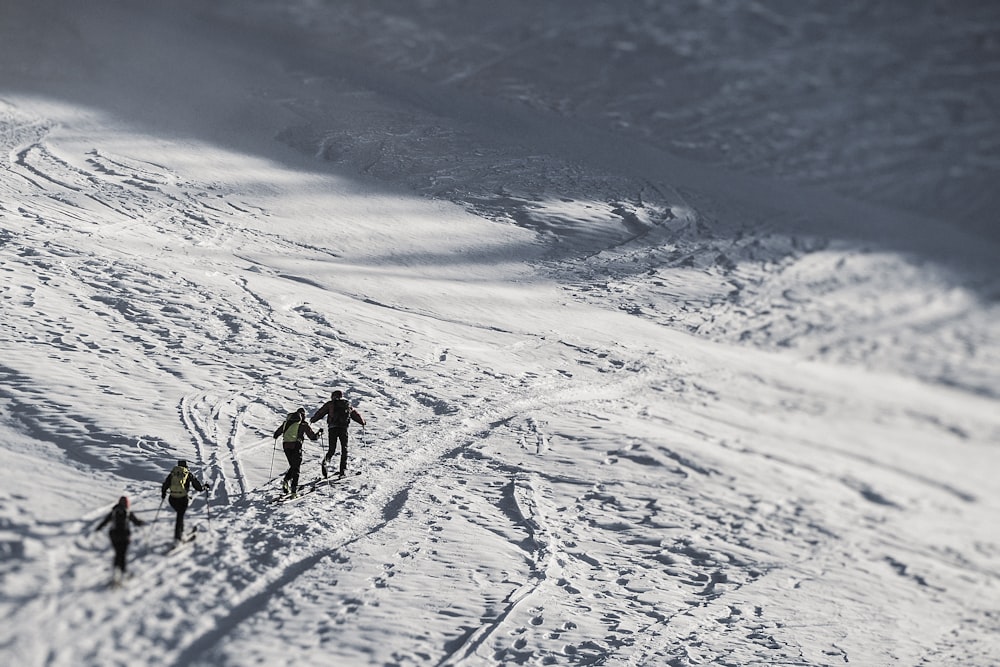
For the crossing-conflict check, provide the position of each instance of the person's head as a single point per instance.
(337, 394)
(123, 502)
(301, 412)
(183, 463)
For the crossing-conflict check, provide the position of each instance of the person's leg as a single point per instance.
(295, 460)
(120, 546)
(180, 506)
(121, 550)
(343, 450)
(286, 481)
(331, 447)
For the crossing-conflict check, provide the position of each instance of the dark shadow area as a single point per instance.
(440, 107)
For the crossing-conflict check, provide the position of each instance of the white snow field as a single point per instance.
(675, 326)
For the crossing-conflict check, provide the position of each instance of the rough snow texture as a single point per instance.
(675, 326)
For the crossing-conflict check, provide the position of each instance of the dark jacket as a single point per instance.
(294, 437)
(189, 481)
(120, 528)
(334, 411)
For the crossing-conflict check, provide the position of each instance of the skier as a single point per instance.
(178, 482)
(339, 413)
(292, 432)
(119, 517)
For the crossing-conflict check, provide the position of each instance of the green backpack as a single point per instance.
(291, 432)
(178, 481)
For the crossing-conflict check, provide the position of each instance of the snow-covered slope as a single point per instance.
(623, 406)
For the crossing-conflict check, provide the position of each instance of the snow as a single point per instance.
(674, 325)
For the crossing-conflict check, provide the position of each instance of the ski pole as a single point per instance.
(273, 449)
(364, 439)
(157, 515)
(208, 513)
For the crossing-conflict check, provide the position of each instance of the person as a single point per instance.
(120, 517)
(178, 483)
(292, 432)
(339, 414)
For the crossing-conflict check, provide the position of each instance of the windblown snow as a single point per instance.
(675, 327)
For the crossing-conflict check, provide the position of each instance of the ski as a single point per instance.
(329, 481)
(291, 498)
(177, 545)
(304, 490)
(312, 486)
(345, 476)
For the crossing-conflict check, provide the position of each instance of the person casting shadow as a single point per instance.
(178, 483)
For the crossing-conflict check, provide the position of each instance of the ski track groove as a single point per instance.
(539, 533)
(199, 435)
(234, 455)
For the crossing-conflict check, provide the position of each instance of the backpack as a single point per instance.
(178, 481)
(340, 413)
(119, 519)
(291, 432)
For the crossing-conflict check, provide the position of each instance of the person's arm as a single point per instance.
(165, 487)
(136, 520)
(281, 429)
(319, 414)
(103, 523)
(307, 429)
(356, 416)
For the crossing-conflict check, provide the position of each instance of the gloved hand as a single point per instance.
(320, 432)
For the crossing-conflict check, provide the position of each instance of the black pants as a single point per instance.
(120, 542)
(293, 453)
(338, 434)
(180, 505)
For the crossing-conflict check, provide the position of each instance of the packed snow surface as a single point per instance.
(675, 327)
